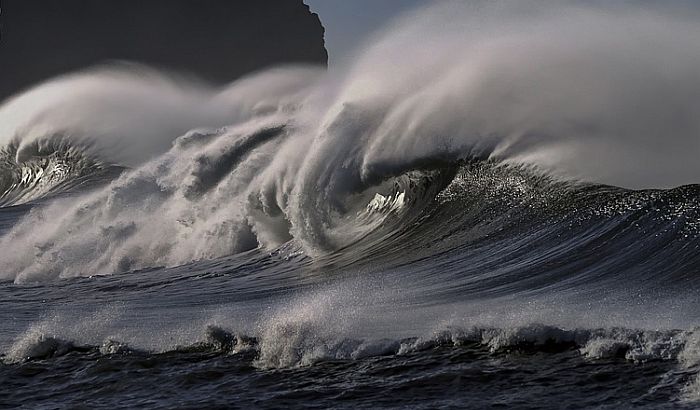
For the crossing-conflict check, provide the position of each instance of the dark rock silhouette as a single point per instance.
(218, 40)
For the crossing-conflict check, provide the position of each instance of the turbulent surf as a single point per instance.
(515, 222)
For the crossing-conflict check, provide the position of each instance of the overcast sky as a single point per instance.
(348, 22)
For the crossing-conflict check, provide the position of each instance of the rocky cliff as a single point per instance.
(217, 40)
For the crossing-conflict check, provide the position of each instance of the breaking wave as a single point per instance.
(282, 345)
(530, 163)
(46, 169)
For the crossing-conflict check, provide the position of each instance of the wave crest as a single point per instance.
(46, 168)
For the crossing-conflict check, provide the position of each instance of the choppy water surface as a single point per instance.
(533, 306)
(430, 236)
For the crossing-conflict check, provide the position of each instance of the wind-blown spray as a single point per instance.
(600, 94)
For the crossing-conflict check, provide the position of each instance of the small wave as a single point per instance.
(305, 339)
(37, 346)
(48, 168)
(297, 344)
(302, 347)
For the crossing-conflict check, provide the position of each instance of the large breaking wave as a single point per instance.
(530, 93)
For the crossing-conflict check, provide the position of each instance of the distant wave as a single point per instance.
(47, 169)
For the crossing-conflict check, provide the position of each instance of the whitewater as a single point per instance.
(495, 204)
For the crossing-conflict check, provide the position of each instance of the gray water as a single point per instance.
(531, 307)
(389, 234)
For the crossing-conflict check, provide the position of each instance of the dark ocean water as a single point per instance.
(445, 221)
(554, 295)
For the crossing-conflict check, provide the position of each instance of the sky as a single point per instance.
(349, 22)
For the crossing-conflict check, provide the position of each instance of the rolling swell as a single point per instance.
(531, 232)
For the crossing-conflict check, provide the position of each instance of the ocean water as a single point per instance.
(514, 222)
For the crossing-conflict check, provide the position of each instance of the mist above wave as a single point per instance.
(601, 92)
(128, 113)
(604, 93)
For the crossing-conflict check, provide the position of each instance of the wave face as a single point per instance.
(53, 167)
(528, 195)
